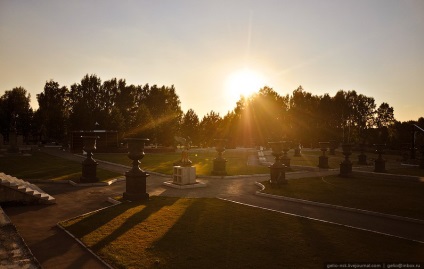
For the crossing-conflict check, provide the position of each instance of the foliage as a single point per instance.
(53, 112)
(16, 112)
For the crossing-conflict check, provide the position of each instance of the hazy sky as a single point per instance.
(375, 47)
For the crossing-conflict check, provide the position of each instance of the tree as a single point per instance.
(190, 126)
(384, 116)
(209, 127)
(53, 111)
(16, 112)
(164, 106)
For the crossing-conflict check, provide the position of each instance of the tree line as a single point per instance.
(155, 112)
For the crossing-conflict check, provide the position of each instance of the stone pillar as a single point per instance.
(380, 163)
(277, 169)
(136, 178)
(346, 164)
(285, 160)
(89, 165)
(362, 158)
(219, 163)
(323, 160)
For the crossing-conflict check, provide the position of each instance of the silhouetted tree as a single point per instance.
(53, 111)
(16, 112)
(190, 126)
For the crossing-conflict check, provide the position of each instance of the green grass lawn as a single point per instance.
(401, 198)
(407, 170)
(44, 166)
(168, 232)
(203, 161)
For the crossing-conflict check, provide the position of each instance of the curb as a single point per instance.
(110, 200)
(356, 210)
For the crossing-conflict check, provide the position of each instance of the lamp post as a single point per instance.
(136, 177)
(219, 163)
(89, 165)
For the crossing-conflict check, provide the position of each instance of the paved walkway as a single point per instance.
(55, 249)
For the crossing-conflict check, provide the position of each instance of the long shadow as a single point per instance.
(150, 208)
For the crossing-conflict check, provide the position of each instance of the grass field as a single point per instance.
(203, 161)
(44, 166)
(168, 232)
(401, 198)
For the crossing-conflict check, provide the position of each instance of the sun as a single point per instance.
(244, 82)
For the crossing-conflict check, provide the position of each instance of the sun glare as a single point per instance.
(244, 83)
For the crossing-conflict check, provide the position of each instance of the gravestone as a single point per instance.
(13, 148)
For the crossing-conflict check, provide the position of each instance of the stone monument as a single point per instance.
(135, 177)
(346, 164)
(184, 173)
(89, 165)
(219, 163)
(277, 169)
(380, 163)
(297, 150)
(285, 160)
(323, 160)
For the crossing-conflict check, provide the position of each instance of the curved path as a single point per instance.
(55, 249)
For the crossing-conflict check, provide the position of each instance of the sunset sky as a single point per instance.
(207, 49)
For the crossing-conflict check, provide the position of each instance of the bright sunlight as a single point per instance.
(244, 83)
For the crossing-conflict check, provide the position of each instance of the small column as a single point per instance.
(219, 163)
(323, 160)
(136, 178)
(277, 169)
(362, 158)
(285, 160)
(346, 164)
(89, 165)
(380, 163)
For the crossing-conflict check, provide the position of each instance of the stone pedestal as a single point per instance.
(135, 186)
(219, 167)
(219, 163)
(380, 163)
(346, 164)
(278, 174)
(297, 151)
(323, 160)
(136, 178)
(89, 165)
(277, 170)
(184, 175)
(89, 170)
